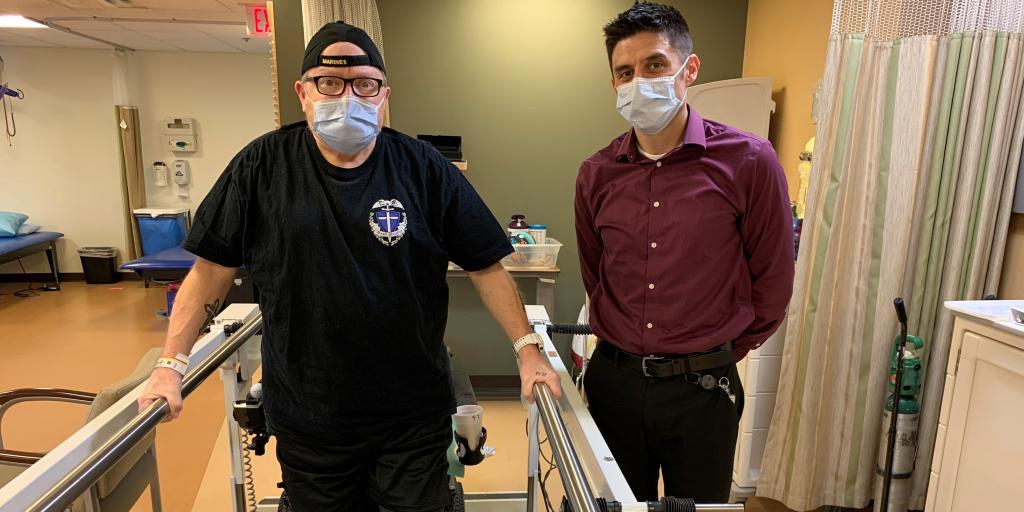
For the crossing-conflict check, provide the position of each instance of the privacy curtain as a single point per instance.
(916, 156)
(133, 182)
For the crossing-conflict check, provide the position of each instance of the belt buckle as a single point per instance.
(643, 365)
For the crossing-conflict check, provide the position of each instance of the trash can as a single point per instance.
(172, 293)
(161, 228)
(99, 264)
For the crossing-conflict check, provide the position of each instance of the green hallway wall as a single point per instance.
(527, 86)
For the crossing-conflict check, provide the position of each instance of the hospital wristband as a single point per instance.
(172, 363)
(182, 358)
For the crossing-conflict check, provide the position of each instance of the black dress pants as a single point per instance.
(667, 424)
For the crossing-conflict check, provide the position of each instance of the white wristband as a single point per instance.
(530, 339)
(172, 363)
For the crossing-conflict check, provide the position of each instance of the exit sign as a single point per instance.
(257, 20)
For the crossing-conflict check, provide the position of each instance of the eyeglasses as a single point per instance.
(335, 85)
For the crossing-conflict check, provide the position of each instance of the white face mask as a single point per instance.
(649, 104)
(347, 125)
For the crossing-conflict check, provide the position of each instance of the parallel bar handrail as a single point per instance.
(574, 480)
(577, 488)
(89, 471)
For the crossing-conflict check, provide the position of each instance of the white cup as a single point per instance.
(469, 420)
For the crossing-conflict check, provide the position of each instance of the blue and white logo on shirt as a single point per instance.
(388, 221)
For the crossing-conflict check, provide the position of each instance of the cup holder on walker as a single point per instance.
(470, 457)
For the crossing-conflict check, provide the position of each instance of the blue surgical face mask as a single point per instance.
(347, 124)
(649, 104)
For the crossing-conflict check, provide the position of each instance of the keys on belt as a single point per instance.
(705, 381)
(688, 367)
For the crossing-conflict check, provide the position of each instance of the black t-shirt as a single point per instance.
(350, 265)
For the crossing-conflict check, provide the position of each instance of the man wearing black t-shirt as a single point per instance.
(347, 231)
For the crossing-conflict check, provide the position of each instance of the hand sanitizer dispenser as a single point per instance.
(182, 177)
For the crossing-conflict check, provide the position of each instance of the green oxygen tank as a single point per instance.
(909, 405)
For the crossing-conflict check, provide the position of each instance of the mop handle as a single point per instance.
(890, 448)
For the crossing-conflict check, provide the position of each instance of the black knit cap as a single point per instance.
(341, 32)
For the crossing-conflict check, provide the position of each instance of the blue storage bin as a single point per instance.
(161, 228)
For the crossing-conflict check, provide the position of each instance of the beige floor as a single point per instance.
(87, 336)
(506, 471)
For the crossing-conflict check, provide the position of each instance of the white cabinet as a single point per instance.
(976, 464)
(759, 372)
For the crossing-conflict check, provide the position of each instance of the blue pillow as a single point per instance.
(10, 222)
(28, 228)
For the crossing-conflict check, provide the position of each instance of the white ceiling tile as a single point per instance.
(167, 14)
(194, 42)
(175, 36)
(259, 48)
(223, 37)
(221, 31)
(150, 27)
(235, 47)
(66, 40)
(235, 6)
(253, 45)
(73, 4)
(37, 8)
(133, 40)
(82, 25)
(212, 45)
(189, 5)
(205, 15)
(10, 38)
(235, 36)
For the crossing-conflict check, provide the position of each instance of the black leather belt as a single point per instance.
(661, 367)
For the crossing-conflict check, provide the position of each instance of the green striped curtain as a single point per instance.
(910, 195)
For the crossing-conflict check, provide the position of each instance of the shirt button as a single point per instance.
(658, 163)
(651, 286)
(654, 245)
(649, 325)
(657, 204)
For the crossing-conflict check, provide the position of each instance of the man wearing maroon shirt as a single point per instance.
(686, 250)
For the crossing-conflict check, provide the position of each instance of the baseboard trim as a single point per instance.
(65, 277)
(496, 386)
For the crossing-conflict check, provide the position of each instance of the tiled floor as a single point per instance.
(87, 336)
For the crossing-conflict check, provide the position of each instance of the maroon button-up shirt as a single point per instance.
(684, 254)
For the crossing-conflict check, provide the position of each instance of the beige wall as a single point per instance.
(1012, 285)
(527, 86)
(786, 42)
(64, 169)
(231, 108)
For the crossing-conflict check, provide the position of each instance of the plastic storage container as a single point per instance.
(161, 228)
(539, 232)
(534, 256)
(99, 264)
